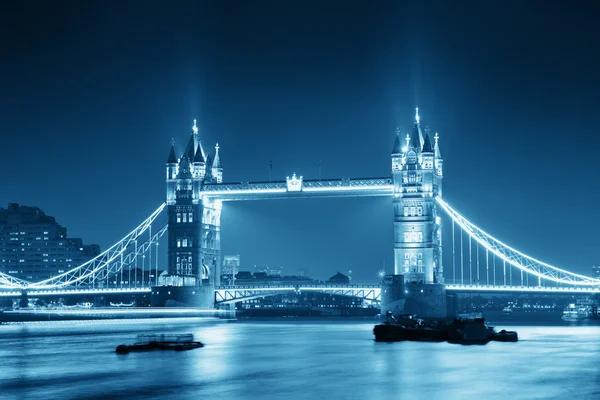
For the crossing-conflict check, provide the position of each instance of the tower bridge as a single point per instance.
(196, 192)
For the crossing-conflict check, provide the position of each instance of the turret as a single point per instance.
(172, 163)
(438, 164)
(217, 168)
(171, 174)
(397, 152)
(208, 175)
(198, 164)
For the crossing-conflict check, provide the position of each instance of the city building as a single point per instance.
(272, 271)
(33, 246)
(596, 271)
(261, 278)
(231, 266)
(339, 278)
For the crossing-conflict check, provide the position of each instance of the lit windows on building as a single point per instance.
(190, 217)
(413, 237)
(178, 217)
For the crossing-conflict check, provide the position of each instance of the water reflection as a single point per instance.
(275, 360)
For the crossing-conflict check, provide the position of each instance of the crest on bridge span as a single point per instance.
(294, 184)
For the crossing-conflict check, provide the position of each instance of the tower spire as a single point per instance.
(172, 158)
(195, 128)
(436, 147)
(397, 143)
(417, 119)
(217, 160)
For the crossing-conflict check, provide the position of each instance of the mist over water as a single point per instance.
(293, 359)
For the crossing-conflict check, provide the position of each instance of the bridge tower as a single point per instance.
(417, 175)
(194, 245)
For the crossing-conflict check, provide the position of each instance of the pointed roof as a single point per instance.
(415, 137)
(217, 160)
(427, 145)
(172, 158)
(397, 144)
(184, 168)
(189, 149)
(198, 158)
(208, 162)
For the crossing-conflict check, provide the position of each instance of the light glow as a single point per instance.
(549, 270)
(241, 191)
(384, 188)
(530, 289)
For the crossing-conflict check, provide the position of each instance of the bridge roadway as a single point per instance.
(228, 294)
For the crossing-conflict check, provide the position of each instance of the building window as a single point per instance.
(184, 217)
(412, 211)
(178, 217)
(190, 217)
(406, 211)
(419, 211)
(406, 256)
(420, 256)
(184, 243)
(178, 242)
(413, 237)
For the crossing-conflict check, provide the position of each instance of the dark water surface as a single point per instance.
(293, 360)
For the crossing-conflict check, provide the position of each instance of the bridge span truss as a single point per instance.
(234, 294)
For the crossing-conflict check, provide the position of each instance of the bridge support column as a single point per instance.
(24, 300)
(424, 300)
(183, 296)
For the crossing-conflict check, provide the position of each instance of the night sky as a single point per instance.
(92, 93)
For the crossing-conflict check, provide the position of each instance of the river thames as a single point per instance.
(292, 359)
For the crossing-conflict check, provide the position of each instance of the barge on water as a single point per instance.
(464, 329)
(161, 342)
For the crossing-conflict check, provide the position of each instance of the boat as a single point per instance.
(573, 313)
(389, 332)
(505, 336)
(507, 310)
(408, 327)
(160, 342)
(469, 330)
(132, 304)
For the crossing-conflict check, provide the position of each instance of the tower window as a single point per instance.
(178, 242)
(178, 217)
(190, 217)
(419, 211)
(184, 243)
(184, 217)
(406, 256)
(406, 211)
(412, 211)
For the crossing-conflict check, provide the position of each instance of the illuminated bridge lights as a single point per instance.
(525, 289)
(265, 190)
(514, 257)
(233, 294)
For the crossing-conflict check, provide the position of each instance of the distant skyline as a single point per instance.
(93, 93)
